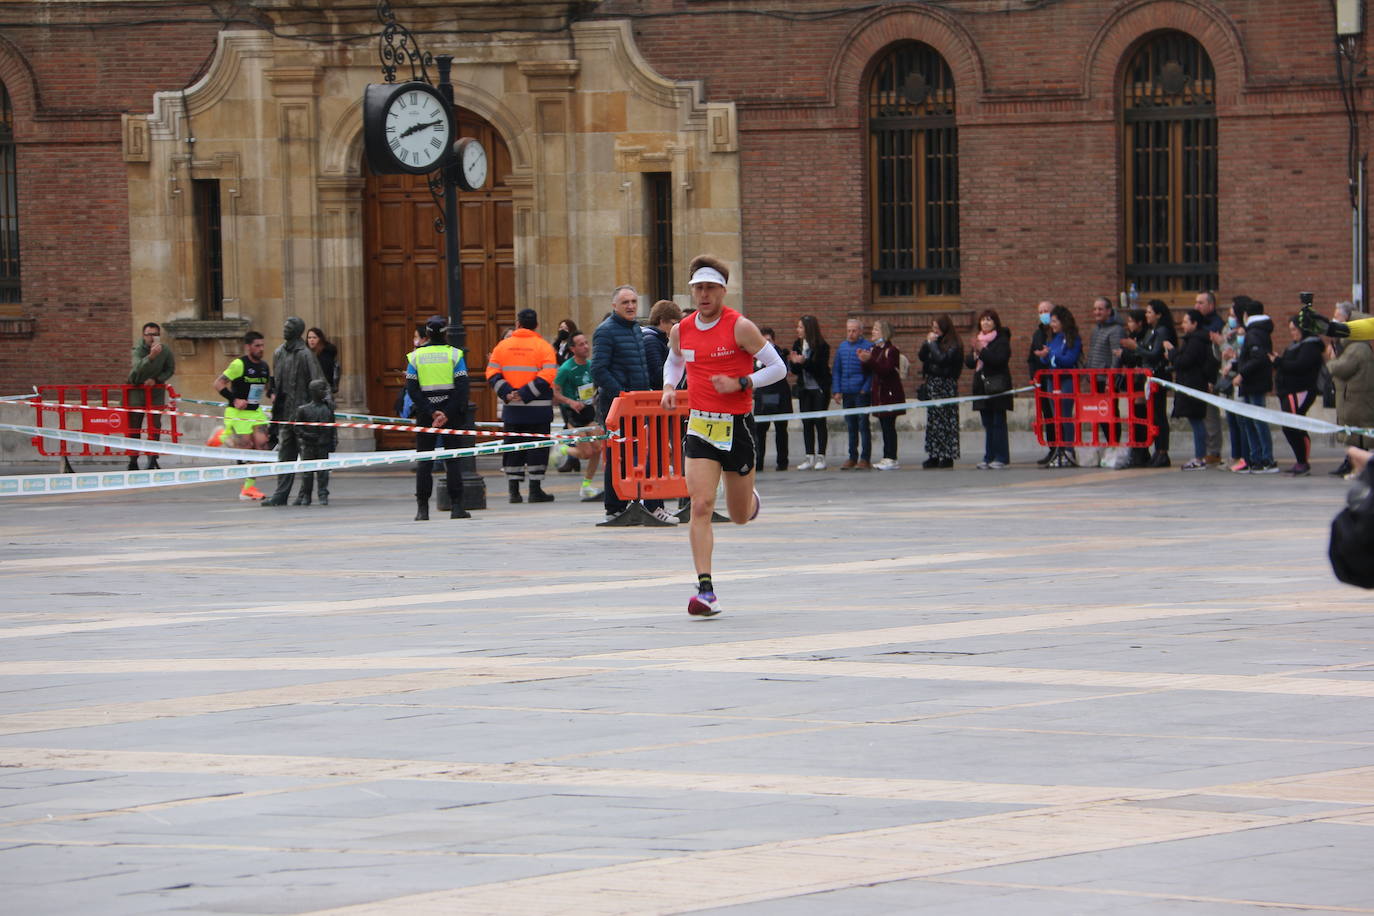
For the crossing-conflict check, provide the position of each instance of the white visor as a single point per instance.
(707, 275)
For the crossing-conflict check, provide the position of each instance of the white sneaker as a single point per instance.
(995, 465)
(1109, 458)
(663, 515)
(808, 464)
(819, 464)
(1092, 457)
(983, 465)
(590, 492)
(885, 464)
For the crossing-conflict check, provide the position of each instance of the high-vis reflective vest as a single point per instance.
(435, 366)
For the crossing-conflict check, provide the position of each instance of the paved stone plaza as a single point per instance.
(935, 692)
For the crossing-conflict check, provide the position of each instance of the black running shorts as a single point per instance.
(739, 458)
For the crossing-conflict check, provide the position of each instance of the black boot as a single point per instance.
(422, 508)
(303, 499)
(458, 511)
(152, 463)
(1342, 470)
(537, 494)
(514, 486)
(324, 487)
(1049, 456)
(1160, 460)
(133, 463)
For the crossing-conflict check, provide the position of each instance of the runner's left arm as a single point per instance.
(751, 340)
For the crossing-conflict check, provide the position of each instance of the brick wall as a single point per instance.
(69, 83)
(1039, 141)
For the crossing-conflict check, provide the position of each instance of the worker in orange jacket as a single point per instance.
(521, 370)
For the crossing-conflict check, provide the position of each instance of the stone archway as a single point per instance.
(405, 270)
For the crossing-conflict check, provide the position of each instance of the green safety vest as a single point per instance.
(434, 366)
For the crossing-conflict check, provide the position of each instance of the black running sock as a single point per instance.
(704, 584)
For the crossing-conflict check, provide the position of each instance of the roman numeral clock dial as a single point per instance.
(406, 128)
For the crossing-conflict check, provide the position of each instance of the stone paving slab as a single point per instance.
(948, 692)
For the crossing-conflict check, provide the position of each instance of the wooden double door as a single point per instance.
(406, 271)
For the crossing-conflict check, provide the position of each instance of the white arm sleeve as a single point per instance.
(673, 367)
(774, 369)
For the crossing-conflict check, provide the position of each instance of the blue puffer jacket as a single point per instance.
(618, 362)
(850, 375)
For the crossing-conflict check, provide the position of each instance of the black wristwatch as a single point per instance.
(745, 383)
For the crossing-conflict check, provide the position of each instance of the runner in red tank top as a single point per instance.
(716, 347)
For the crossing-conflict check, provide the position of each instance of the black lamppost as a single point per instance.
(428, 147)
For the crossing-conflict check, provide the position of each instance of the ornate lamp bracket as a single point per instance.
(398, 47)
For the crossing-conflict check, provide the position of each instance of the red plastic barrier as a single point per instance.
(1096, 408)
(94, 411)
(648, 464)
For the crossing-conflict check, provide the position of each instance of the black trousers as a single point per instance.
(424, 470)
(530, 463)
(311, 452)
(761, 441)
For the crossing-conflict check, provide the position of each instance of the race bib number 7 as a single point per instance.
(717, 429)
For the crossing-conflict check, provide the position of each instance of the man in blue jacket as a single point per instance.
(852, 379)
(619, 364)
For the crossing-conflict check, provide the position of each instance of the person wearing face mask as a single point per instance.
(887, 389)
(1039, 338)
(1136, 328)
(1233, 338)
(942, 359)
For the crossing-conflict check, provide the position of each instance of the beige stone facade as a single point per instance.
(279, 123)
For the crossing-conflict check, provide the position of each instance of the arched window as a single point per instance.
(913, 178)
(1169, 110)
(9, 204)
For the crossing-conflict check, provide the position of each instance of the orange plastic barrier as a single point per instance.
(1097, 408)
(99, 409)
(648, 464)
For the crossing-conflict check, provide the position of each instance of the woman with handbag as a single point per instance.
(810, 362)
(942, 359)
(990, 359)
(886, 361)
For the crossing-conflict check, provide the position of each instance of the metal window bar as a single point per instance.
(914, 170)
(1170, 132)
(9, 203)
(659, 192)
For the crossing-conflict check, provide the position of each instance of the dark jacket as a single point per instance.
(326, 437)
(1193, 367)
(329, 365)
(1253, 364)
(655, 354)
(886, 366)
(777, 397)
(1296, 368)
(996, 368)
(1039, 338)
(1153, 356)
(942, 359)
(817, 365)
(618, 362)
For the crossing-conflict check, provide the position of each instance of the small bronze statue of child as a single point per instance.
(316, 441)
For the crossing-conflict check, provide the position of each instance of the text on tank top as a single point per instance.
(713, 351)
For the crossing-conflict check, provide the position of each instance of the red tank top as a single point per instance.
(715, 352)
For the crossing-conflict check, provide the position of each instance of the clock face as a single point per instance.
(472, 164)
(417, 128)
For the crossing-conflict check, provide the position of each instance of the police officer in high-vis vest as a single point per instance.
(437, 382)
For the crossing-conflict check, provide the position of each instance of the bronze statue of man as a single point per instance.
(294, 366)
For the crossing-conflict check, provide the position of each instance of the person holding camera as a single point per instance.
(152, 364)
